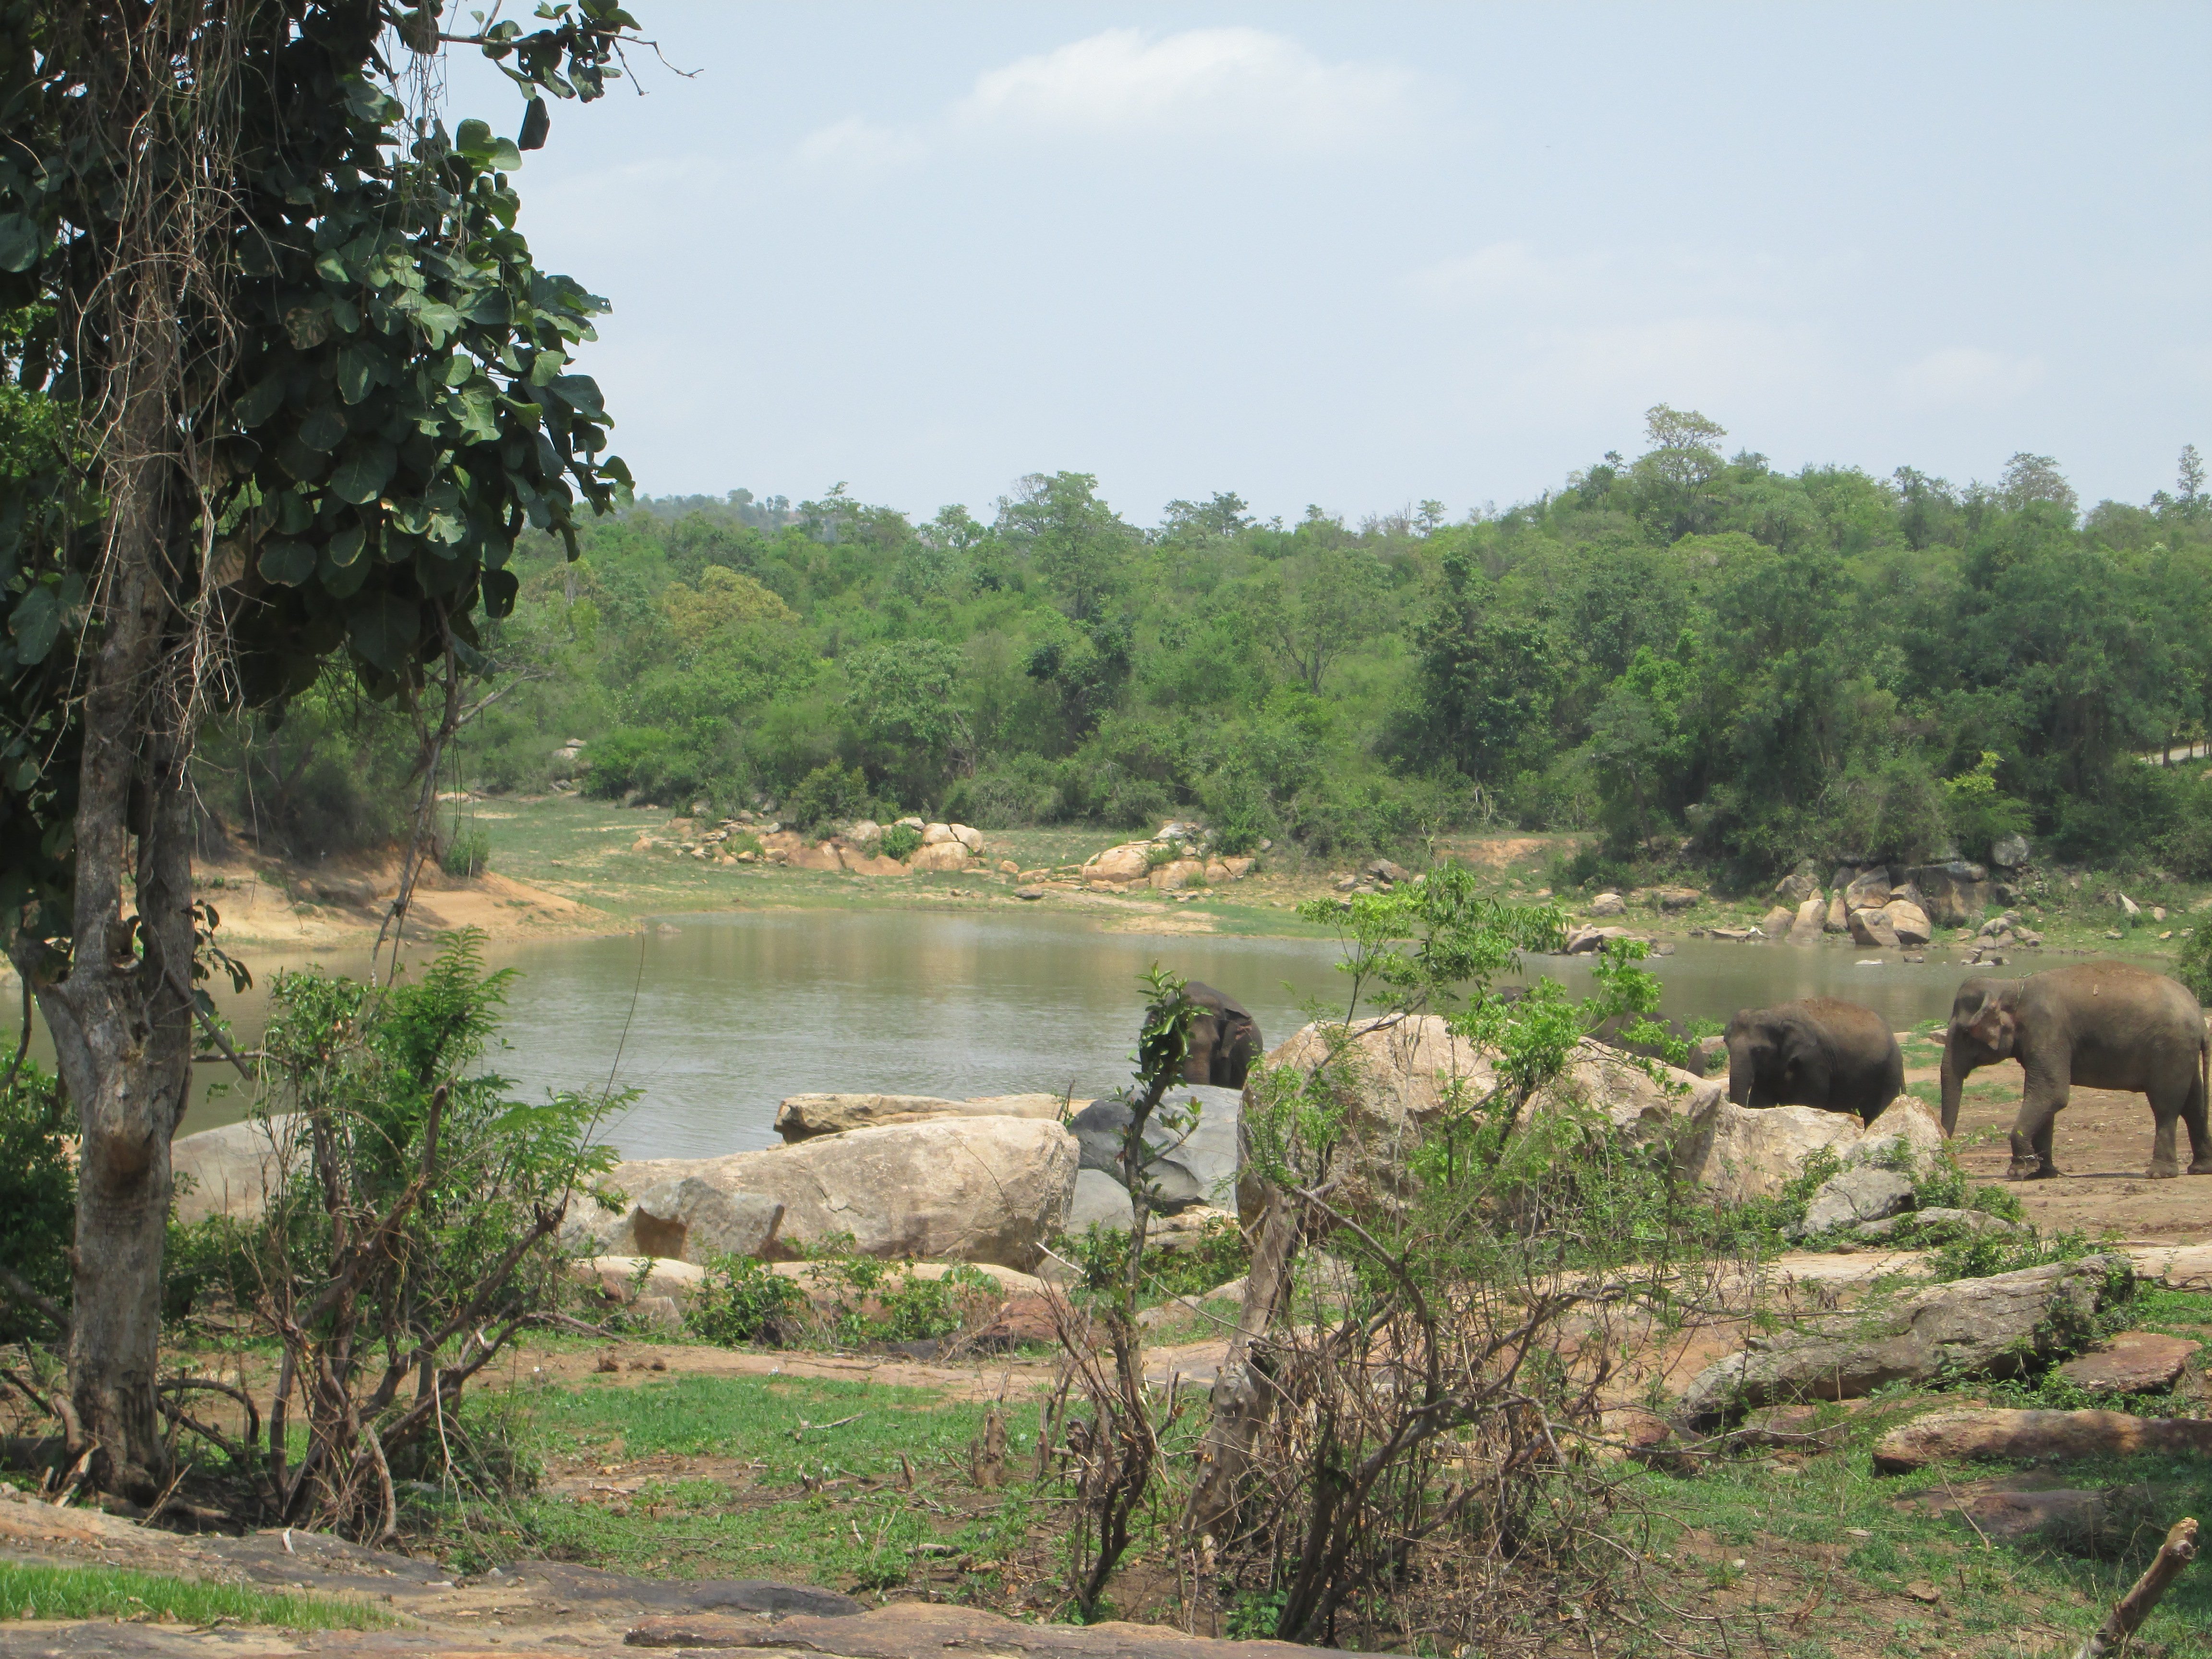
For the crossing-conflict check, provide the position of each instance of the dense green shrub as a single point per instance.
(630, 759)
(826, 796)
(38, 1196)
(900, 841)
(466, 853)
(2194, 967)
(742, 1300)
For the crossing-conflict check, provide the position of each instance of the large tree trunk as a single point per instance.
(121, 1013)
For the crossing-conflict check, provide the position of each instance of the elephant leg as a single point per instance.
(2164, 1166)
(2193, 1115)
(2040, 1102)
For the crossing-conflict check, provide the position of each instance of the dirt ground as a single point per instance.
(339, 904)
(2103, 1143)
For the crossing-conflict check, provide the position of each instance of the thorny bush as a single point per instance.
(1400, 1435)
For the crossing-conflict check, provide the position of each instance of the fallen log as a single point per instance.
(1981, 1432)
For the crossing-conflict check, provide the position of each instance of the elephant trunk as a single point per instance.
(1954, 1083)
(1740, 1076)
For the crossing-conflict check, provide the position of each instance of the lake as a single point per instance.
(717, 1017)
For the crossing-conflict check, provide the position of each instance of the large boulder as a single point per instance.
(1952, 893)
(1999, 1326)
(1867, 1192)
(678, 1218)
(944, 855)
(1394, 1076)
(1964, 1432)
(1908, 922)
(2009, 852)
(802, 1117)
(1391, 1076)
(1906, 1134)
(1838, 917)
(1177, 874)
(1608, 904)
(1869, 891)
(1806, 928)
(1797, 886)
(1872, 928)
(1117, 867)
(1737, 1154)
(1777, 921)
(954, 1189)
(232, 1170)
(1198, 1163)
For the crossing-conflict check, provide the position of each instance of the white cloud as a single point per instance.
(1241, 82)
(1968, 374)
(860, 146)
(1617, 281)
(1503, 270)
(1243, 85)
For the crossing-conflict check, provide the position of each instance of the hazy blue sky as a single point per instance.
(1362, 255)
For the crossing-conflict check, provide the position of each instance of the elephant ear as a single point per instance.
(1993, 1028)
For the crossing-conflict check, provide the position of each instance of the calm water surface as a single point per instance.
(720, 1019)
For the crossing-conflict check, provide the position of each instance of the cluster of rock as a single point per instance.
(856, 848)
(1379, 877)
(1181, 855)
(1393, 1077)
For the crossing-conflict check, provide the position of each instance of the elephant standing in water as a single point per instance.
(2102, 1025)
(1225, 1039)
(1818, 1051)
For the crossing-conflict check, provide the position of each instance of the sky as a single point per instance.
(1364, 256)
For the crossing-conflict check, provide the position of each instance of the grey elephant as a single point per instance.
(1818, 1051)
(2102, 1024)
(1225, 1039)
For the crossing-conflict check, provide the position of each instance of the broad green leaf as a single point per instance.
(345, 546)
(383, 630)
(36, 621)
(537, 122)
(323, 428)
(363, 473)
(288, 562)
(500, 587)
(438, 321)
(263, 400)
(307, 326)
(362, 368)
(582, 393)
(20, 241)
(491, 307)
(342, 581)
(302, 461)
(479, 413)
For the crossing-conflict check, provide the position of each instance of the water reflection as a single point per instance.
(718, 1018)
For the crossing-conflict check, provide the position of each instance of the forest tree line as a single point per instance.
(1704, 659)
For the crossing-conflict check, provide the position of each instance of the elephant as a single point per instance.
(2102, 1024)
(1225, 1039)
(1819, 1051)
(1609, 1032)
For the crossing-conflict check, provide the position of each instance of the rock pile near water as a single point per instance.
(1181, 855)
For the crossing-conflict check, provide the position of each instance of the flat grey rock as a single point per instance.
(1999, 1326)
(1866, 1192)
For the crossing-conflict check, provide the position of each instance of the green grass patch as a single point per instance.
(1857, 1540)
(30, 1591)
(809, 1484)
(773, 1423)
